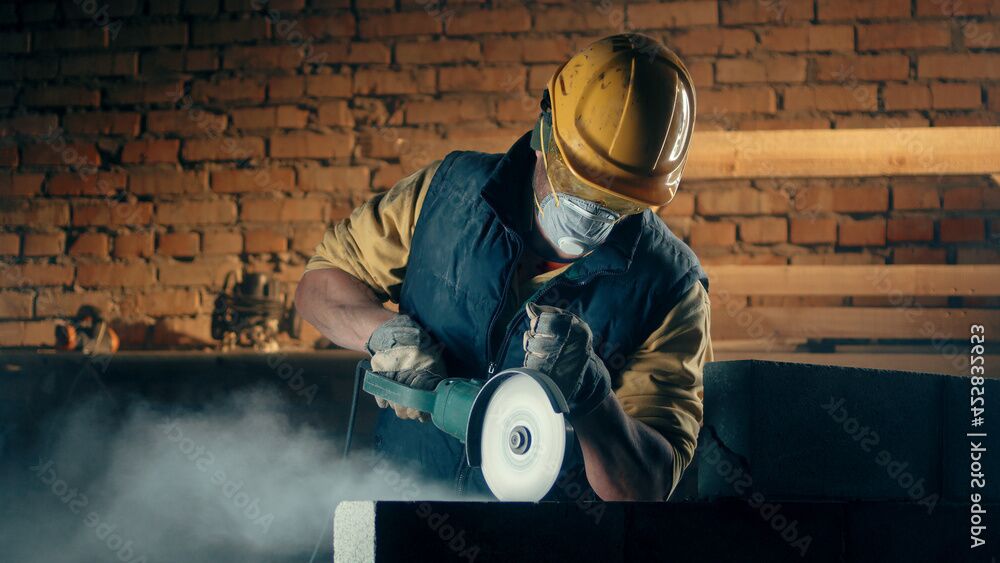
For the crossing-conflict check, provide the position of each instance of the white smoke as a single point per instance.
(234, 482)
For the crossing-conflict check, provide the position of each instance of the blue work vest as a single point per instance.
(462, 264)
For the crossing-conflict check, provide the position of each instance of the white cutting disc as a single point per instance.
(523, 441)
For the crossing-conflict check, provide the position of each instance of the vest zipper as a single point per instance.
(492, 365)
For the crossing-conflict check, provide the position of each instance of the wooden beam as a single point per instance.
(832, 153)
(888, 281)
(774, 324)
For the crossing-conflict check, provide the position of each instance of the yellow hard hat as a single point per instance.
(622, 113)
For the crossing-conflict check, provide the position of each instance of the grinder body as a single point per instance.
(513, 425)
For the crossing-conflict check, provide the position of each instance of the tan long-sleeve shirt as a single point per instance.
(661, 384)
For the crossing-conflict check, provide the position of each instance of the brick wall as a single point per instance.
(149, 147)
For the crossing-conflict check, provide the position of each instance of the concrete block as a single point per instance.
(804, 431)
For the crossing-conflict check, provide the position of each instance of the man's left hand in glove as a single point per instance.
(560, 345)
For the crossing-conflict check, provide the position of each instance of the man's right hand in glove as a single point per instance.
(402, 350)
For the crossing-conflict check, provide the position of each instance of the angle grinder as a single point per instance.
(513, 425)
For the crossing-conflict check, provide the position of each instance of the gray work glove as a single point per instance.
(560, 345)
(403, 351)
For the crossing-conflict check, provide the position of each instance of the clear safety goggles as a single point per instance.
(562, 180)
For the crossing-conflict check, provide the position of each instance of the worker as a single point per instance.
(550, 256)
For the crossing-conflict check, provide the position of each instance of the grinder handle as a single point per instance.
(395, 392)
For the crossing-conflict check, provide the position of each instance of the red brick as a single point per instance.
(103, 64)
(867, 232)
(574, 19)
(707, 234)
(282, 210)
(226, 148)
(20, 185)
(336, 113)
(100, 184)
(43, 244)
(908, 35)
(70, 39)
(681, 206)
(961, 66)
(341, 25)
(186, 122)
(260, 241)
(860, 199)
(911, 229)
(342, 179)
(134, 245)
(27, 334)
(262, 57)
(152, 35)
(90, 244)
(107, 213)
(333, 144)
(306, 239)
(436, 52)
(954, 8)
(324, 86)
(151, 151)
(740, 201)
(16, 305)
(169, 92)
(286, 117)
(963, 229)
(476, 22)
(178, 244)
(711, 41)
(201, 271)
(10, 244)
(61, 154)
(259, 180)
(994, 97)
(482, 79)
(33, 212)
(111, 123)
(956, 96)
(229, 90)
(862, 9)
(915, 197)
(229, 32)
(737, 100)
(672, 15)
(813, 231)
(399, 24)
(848, 70)
(784, 69)
(116, 274)
(33, 275)
(906, 96)
(764, 230)
(33, 125)
(919, 255)
(215, 243)
(384, 82)
(158, 182)
(158, 303)
(970, 198)
(522, 109)
(195, 212)
(811, 38)
(757, 11)
(450, 110)
(831, 98)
